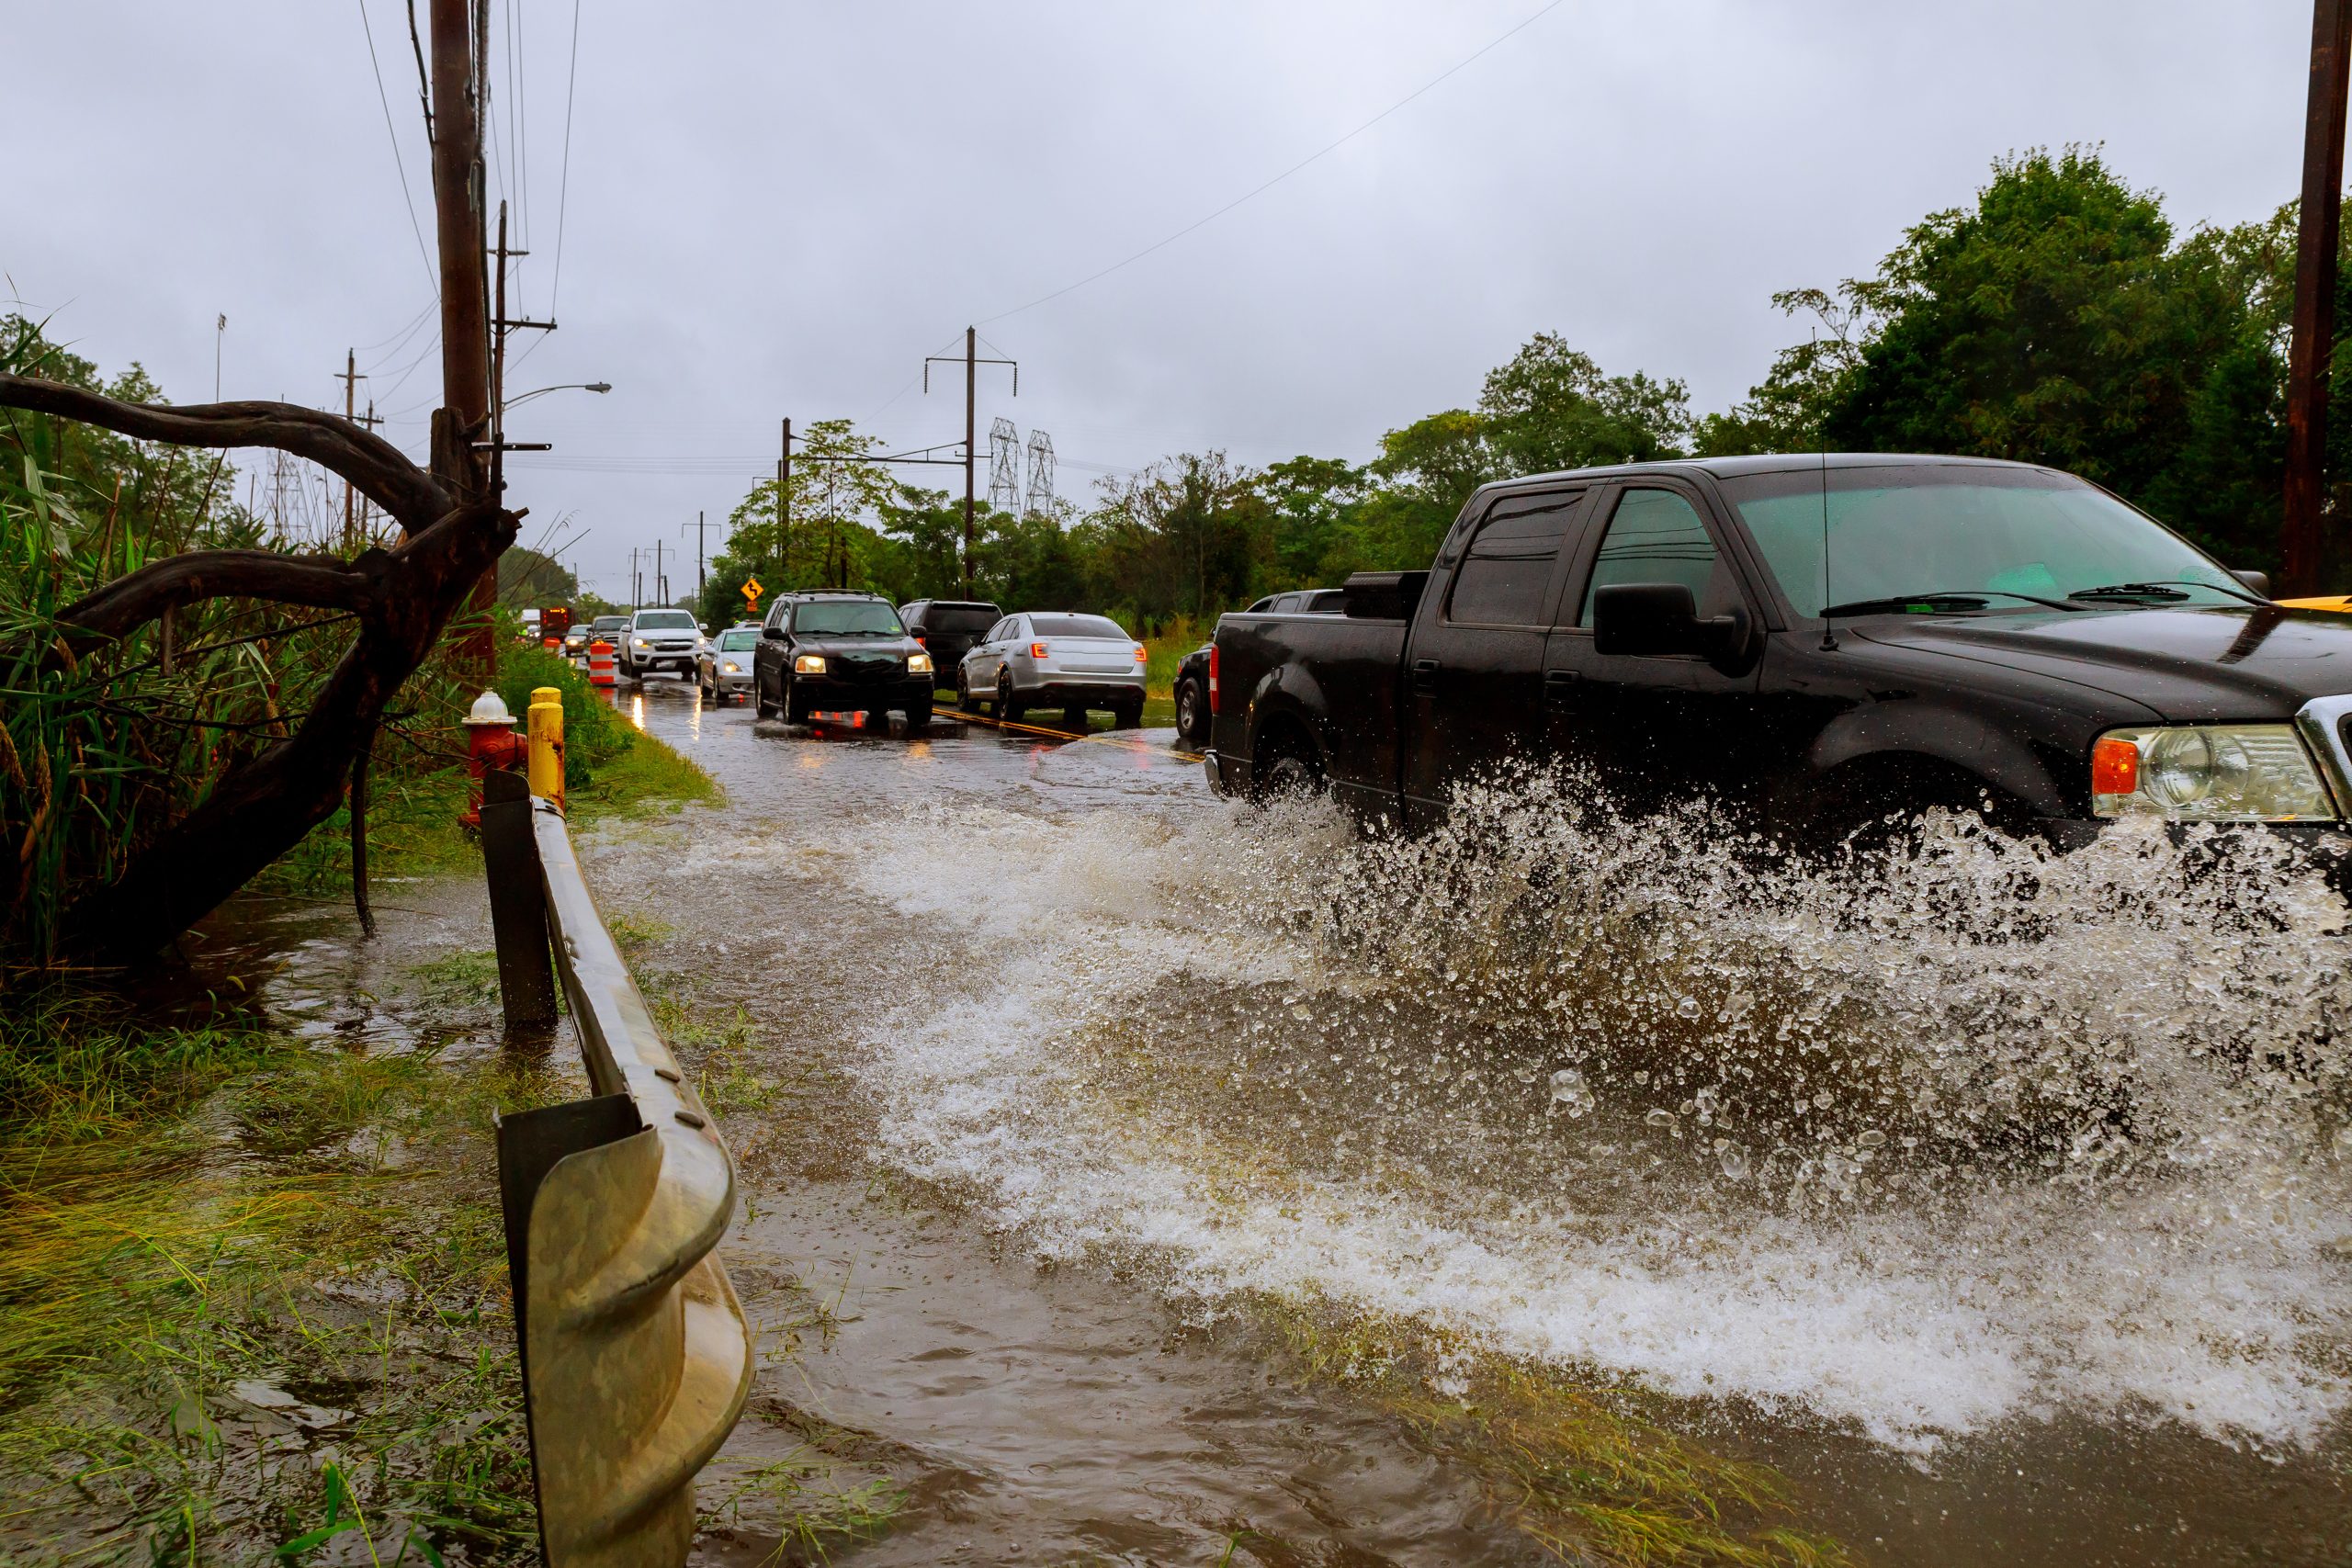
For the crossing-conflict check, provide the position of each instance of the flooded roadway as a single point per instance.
(1998, 1202)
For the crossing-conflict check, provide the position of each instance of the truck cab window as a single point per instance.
(1502, 578)
(1656, 537)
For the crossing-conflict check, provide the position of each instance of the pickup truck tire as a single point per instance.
(1192, 713)
(1287, 765)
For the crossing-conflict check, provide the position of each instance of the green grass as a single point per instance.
(284, 1224)
(413, 829)
(1589, 1472)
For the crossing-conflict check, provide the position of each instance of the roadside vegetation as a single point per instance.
(2062, 317)
(252, 1295)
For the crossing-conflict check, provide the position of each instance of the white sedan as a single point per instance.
(1044, 658)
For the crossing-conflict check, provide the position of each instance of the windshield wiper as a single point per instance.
(2163, 590)
(1968, 599)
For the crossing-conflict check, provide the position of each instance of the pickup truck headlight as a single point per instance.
(639, 642)
(2208, 773)
(808, 664)
(918, 663)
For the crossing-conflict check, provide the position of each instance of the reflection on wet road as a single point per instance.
(1940, 1193)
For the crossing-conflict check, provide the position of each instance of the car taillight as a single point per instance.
(1036, 651)
(1143, 654)
(1212, 677)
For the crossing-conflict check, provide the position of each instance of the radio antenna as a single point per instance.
(1828, 634)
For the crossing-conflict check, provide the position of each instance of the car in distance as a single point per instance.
(1819, 642)
(840, 653)
(723, 665)
(656, 640)
(1192, 687)
(947, 628)
(606, 629)
(1045, 659)
(577, 638)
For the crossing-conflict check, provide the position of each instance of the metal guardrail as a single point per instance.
(635, 1354)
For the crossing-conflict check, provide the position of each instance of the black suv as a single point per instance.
(949, 628)
(840, 653)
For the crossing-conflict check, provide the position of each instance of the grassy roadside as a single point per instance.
(254, 1298)
(252, 1280)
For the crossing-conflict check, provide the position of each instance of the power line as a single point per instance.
(1260, 190)
(563, 181)
(398, 162)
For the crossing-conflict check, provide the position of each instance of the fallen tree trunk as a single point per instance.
(402, 599)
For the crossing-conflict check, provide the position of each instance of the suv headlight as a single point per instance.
(808, 664)
(918, 663)
(2208, 773)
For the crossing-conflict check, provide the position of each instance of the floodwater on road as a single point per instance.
(1999, 1201)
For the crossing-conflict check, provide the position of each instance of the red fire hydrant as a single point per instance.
(491, 742)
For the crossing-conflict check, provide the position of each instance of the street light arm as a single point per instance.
(566, 387)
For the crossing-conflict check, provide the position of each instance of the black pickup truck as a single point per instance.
(1819, 640)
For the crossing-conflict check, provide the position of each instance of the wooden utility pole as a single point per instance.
(784, 508)
(2307, 561)
(458, 179)
(972, 363)
(971, 402)
(351, 379)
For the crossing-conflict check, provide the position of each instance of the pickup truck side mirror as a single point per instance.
(1653, 619)
(2257, 580)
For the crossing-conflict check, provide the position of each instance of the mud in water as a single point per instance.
(1999, 1199)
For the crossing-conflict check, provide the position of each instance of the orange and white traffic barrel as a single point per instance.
(600, 663)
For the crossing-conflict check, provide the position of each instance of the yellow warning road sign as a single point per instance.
(752, 591)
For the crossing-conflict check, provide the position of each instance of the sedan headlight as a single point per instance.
(808, 664)
(2208, 773)
(918, 663)
(731, 667)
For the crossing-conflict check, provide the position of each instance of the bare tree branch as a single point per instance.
(373, 465)
(318, 583)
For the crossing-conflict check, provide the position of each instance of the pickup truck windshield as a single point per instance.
(1899, 536)
(665, 621)
(847, 617)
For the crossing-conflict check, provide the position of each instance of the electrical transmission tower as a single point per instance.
(1041, 475)
(1004, 466)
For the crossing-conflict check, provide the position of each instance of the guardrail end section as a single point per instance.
(632, 1382)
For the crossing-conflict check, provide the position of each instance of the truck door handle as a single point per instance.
(1559, 685)
(1425, 674)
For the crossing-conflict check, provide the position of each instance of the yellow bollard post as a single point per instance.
(544, 724)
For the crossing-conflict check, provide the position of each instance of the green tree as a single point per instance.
(1552, 407)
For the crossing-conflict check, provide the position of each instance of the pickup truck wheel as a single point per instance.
(1188, 710)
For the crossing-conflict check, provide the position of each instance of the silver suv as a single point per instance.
(659, 639)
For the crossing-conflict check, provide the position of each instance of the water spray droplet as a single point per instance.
(1571, 1096)
(1732, 1158)
(1661, 1117)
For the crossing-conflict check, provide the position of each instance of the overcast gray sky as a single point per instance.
(780, 209)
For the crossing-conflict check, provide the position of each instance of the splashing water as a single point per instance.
(1917, 1142)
